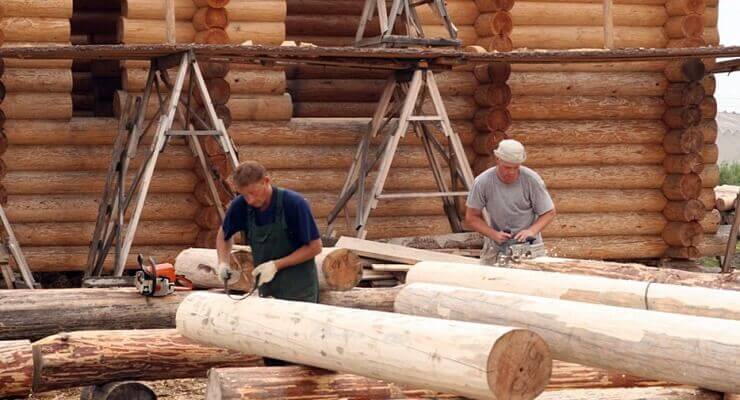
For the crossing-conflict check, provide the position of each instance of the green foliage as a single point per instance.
(729, 173)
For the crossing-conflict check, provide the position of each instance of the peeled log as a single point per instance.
(637, 272)
(37, 80)
(527, 13)
(686, 211)
(575, 37)
(261, 107)
(493, 95)
(588, 83)
(586, 107)
(30, 105)
(48, 8)
(607, 247)
(74, 359)
(458, 108)
(685, 70)
(683, 94)
(16, 368)
(533, 132)
(587, 154)
(595, 177)
(67, 182)
(145, 9)
(584, 333)
(500, 42)
(682, 186)
(499, 362)
(695, 301)
(257, 11)
(257, 32)
(338, 269)
(493, 119)
(144, 31)
(211, 36)
(494, 5)
(656, 393)
(207, 18)
(25, 29)
(182, 232)
(211, 3)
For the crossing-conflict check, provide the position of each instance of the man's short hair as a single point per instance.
(248, 173)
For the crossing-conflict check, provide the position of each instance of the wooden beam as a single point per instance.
(396, 253)
(473, 360)
(665, 346)
(615, 292)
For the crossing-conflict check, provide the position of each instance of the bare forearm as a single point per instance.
(478, 224)
(542, 221)
(302, 254)
(223, 247)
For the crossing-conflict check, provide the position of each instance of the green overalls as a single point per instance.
(271, 242)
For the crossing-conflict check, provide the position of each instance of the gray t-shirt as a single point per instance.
(514, 206)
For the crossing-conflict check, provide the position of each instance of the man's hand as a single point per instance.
(224, 271)
(265, 272)
(500, 237)
(524, 234)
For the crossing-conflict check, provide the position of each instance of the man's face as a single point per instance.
(257, 193)
(506, 171)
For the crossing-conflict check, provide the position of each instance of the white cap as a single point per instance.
(511, 151)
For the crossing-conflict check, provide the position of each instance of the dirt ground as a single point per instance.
(175, 389)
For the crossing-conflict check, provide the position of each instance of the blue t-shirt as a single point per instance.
(302, 227)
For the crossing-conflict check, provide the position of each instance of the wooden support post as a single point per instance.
(608, 25)
(170, 21)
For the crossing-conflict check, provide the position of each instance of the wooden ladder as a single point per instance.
(111, 229)
(405, 91)
(10, 246)
(406, 10)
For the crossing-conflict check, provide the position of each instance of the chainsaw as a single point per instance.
(158, 280)
(513, 250)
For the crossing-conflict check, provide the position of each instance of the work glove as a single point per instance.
(224, 271)
(265, 272)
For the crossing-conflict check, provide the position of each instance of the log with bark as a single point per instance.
(16, 368)
(72, 359)
(485, 362)
(35, 314)
(697, 301)
(338, 269)
(637, 340)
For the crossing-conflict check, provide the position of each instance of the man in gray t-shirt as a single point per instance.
(514, 196)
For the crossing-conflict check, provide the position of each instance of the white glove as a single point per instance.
(265, 272)
(224, 271)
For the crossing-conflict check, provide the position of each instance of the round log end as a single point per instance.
(682, 186)
(342, 269)
(498, 119)
(683, 163)
(497, 72)
(212, 36)
(692, 69)
(214, 69)
(708, 107)
(519, 365)
(2, 92)
(119, 391)
(208, 218)
(208, 17)
(683, 141)
(684, 253)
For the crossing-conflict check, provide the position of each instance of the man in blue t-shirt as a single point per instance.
(280, 229)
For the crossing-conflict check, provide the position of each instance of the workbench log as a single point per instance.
(485, 361)
(657, 345)
(698, 301)
(72, 359)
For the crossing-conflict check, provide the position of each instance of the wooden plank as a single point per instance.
(396, 253)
